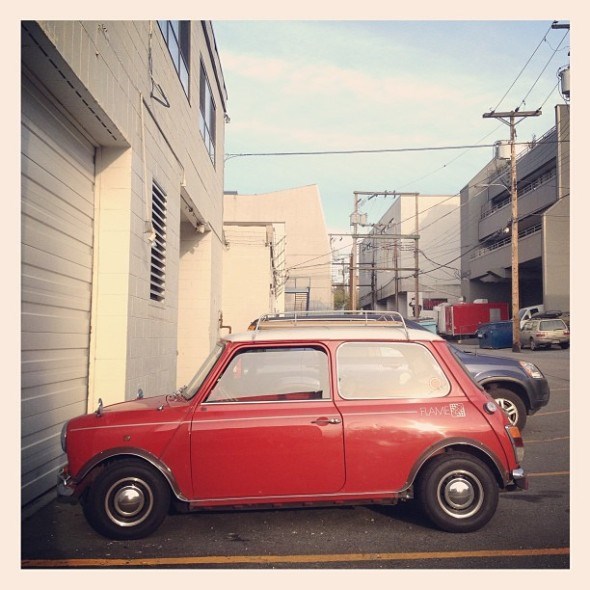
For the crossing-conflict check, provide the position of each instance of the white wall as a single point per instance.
(308, 253)
(247, 276)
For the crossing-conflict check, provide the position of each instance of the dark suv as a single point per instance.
(519, 387)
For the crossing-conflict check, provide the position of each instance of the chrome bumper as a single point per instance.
(66, 487)
(519, 480)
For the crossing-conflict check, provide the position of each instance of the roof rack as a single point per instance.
(347, 318)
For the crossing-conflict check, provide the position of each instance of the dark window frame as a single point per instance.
(207, 113)
(176, 33)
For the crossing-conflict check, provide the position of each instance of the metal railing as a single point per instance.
(506, 241)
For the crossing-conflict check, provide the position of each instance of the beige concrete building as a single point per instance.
(303, 281)
(387, 278)
(253, 272)
(122, 200)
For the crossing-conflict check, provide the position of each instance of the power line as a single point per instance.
(546, 65)
(344, 152)
(523, 68)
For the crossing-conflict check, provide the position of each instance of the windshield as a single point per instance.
(196, 382)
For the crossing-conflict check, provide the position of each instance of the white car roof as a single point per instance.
(396, 333)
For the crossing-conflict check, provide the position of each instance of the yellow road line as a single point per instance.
(548, 474)
(552, 413)
(545, 440)
(269, 559)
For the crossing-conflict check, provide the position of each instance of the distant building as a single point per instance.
(297, 265)
(253, 272)
(122, 189)
(543, 221)
(387, 279)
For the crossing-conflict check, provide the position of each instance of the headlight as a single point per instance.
(531, 370)
(64, 436)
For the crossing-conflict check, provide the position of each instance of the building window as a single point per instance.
(177, 36)
(158, 259)
(207, 114)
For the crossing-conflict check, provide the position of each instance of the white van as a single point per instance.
(526, 313)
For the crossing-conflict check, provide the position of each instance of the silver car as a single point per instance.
(545, 332)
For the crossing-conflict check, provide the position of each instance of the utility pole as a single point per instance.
(417, 265)
(511, 116)
(353, 255)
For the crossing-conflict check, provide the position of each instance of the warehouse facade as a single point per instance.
(122, 203)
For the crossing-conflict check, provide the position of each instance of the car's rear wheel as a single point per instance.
(128, 500)
(564, 345)
(511, 403)
(458, 492)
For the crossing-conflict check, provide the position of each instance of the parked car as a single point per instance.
(290, 417)
(539, 332)
(518, 387)
(526, 313)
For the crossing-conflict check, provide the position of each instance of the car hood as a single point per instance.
(478, 363)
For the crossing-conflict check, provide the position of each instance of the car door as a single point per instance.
(268, 427)
(397, 403)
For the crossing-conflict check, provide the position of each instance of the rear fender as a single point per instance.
(471, 447)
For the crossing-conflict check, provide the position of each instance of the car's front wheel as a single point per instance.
(458, 492)
(128, 500)
(511, 404)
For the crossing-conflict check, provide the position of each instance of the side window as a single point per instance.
(176, 33)
(207, 114)
(382, 370)
(274, 374)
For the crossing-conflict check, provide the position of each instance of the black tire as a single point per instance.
(511, 403)
(533, 345)
(458, 492)
(128, 500)
(564, 345)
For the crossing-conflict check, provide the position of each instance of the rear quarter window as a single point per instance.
(389, 370)
(547, 325)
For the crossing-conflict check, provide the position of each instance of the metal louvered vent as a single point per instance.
(158, 261)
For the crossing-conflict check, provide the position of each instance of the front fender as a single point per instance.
(89, 470)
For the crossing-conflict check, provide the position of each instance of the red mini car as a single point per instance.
(314, 415)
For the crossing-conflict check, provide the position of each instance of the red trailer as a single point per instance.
(463, 319)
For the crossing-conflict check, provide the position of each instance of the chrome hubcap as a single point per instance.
(128, 502)
(460, 494)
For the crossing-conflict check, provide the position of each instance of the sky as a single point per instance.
(407, 87)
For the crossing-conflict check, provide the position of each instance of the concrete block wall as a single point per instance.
(136, 342)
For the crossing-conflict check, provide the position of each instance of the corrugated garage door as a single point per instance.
(57, 236)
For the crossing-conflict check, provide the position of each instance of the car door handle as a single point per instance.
(323, 421)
